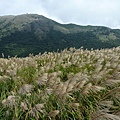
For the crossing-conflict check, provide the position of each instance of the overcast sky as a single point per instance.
(82, 12)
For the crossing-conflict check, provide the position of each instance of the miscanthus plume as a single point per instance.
(72, 84)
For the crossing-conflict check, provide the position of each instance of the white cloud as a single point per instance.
(93, 12)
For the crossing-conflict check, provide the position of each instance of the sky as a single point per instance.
(81, 12)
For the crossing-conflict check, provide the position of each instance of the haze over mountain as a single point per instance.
(32, 33)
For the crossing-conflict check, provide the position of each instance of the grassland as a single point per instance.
(74, 84)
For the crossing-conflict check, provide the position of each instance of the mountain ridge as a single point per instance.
(32, 33)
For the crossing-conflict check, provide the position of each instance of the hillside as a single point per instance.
(32, 33)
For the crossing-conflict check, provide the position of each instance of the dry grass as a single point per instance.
(74, 84)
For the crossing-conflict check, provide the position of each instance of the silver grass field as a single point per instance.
(74, 84)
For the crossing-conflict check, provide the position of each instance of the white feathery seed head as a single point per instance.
(53, 113)
(25, 89)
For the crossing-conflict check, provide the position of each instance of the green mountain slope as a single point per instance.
(32, 33)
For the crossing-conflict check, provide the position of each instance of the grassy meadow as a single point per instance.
(74, 84)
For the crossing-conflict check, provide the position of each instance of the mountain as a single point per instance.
(32, 33)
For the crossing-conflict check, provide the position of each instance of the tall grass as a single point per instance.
(74, 84)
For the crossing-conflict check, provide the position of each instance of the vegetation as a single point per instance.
(73, 84)
(31, 33)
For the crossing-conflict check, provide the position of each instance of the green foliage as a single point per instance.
(65, 71)
(27, 74)
(20, 37)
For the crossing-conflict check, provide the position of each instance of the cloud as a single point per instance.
(15, 7)
(95, 12)
(84, 12)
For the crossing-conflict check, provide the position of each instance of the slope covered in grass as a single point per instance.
(74, 84)
(32, 33)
